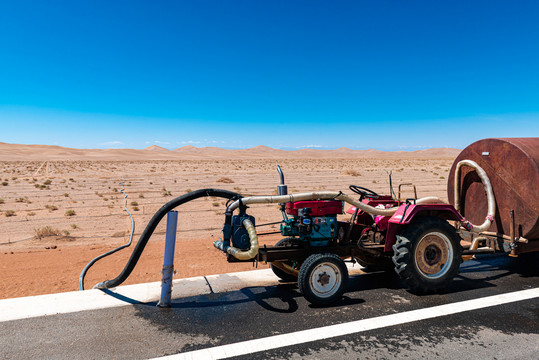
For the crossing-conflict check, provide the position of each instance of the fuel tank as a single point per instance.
(512, 165)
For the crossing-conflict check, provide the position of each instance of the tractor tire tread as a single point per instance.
(404, 249)
(303, 278)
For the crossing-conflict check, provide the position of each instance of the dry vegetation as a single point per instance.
(55, 216)
(39, 196)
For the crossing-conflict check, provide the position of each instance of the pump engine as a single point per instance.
(314, 222)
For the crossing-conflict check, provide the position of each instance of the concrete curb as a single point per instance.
(74, 301)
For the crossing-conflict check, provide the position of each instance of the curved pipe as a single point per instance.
(148, 231)
(474, 246)
(333, 195)
(253, 250)
(491, 211)
(281, 175)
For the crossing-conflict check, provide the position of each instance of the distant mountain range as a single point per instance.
(51, 152)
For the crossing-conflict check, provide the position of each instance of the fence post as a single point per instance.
(168, 260)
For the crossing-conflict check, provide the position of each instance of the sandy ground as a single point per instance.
(81, 201)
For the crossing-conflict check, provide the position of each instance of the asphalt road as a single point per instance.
(508, 331)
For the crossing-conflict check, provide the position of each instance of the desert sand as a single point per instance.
(61, 207)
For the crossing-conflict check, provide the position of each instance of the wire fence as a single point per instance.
(152, 200)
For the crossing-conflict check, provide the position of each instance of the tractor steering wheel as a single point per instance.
(363, 192)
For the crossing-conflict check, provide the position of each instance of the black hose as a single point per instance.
(96, 259)
(152, 224)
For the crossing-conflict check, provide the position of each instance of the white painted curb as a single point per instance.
(63, 303)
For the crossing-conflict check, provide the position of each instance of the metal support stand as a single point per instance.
(168, 261)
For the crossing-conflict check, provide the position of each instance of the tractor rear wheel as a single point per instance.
(280, 273)
(427, 254)
(323, 278)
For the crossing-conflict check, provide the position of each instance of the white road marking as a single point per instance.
(353, 327)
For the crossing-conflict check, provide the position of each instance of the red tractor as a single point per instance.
(423, 240)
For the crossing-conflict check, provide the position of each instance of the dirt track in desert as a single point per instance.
(56, 215)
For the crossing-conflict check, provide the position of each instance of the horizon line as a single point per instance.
(284, 148)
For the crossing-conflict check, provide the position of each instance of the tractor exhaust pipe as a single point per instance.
(282, 189)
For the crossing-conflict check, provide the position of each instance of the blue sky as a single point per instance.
(389, 75)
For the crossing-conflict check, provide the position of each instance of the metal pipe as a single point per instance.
(168, 259)
(324, 195)
(512, 232)
(474, 246)
(281, 175)
(498, 235)
(483, 250)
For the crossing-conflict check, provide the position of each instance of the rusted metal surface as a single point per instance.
(512, 165)
(431, 254)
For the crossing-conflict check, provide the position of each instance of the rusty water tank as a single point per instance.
(512, 165)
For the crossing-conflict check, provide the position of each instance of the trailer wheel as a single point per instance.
(323, 278)
(427, 254)
(281, 274)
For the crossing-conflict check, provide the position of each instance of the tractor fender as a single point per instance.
(407, 213)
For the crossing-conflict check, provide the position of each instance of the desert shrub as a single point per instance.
(134, 203)
(9, 213)
(40, 233)
(225, 180)
(351, 172)
(51, 207)
(70, 212)
(136, 208)
(47, 182)
(141, 196)
(2, 201)
(74, 226)
(5, 183)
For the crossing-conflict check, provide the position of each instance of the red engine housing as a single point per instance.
(318, 207)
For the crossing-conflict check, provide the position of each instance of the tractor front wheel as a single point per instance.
(427, 254)
(323, 278)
